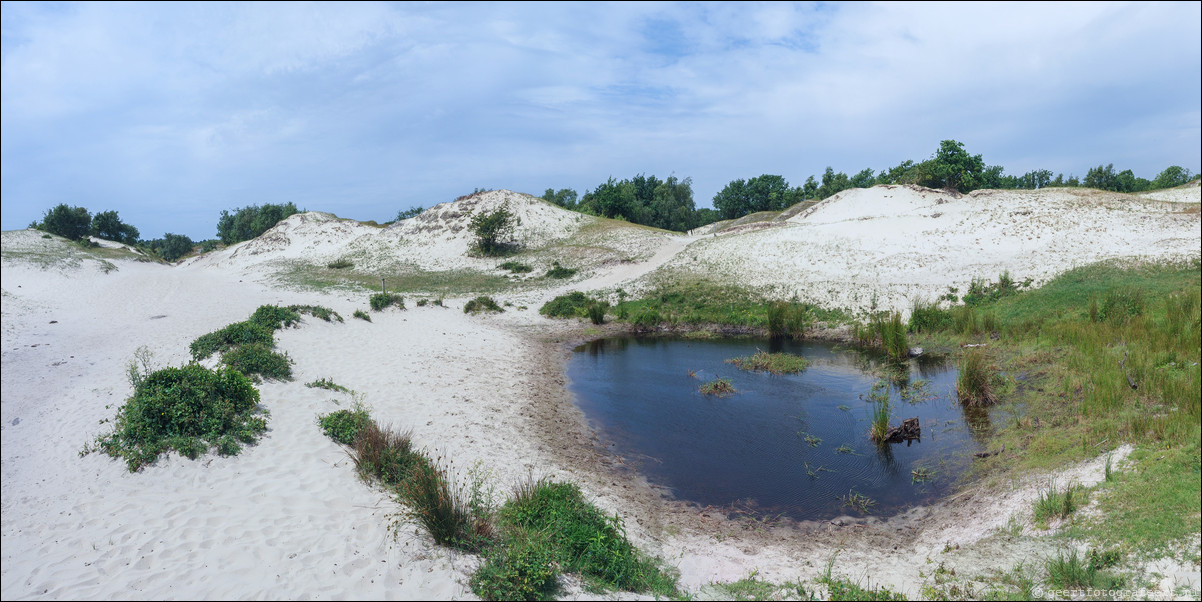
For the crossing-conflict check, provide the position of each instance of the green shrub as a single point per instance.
(522, 567)
(340, 264)
(570, 305)
(317, 311)
(584, 539)
(250, 222)
(275, 318)
(928, 317)
(380, 301)
(787, 319)
(238, 333)
(480, 304)
(494, 232)
(188, 409)
(648, 319)
(516, 267)
(974, 383)
(775, 363)
(560, 272)
(260, 359)
(362, 315)
(343, 426)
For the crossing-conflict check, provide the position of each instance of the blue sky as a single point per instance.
(170, 113)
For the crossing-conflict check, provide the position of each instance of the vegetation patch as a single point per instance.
(328, 384)
(974, 383)
(482, 303)
(259, 359)
(382, 301)
(718, 386)
(189, 409)
(696, 302)
(343, 426)
(238, 333)
(516, 267)
(570, 305)
(362, 315)
(774, 363)
(340, 264)
(560, 272)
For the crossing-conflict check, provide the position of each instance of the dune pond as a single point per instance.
(793, 445)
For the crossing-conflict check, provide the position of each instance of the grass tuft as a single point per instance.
(718, 386)
(974, 383)
(774, 363)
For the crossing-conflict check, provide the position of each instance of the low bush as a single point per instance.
(340, 264)
(893, 338)
(480, 304)
(570, 305)
(238, 333)
(774, 363)
(259, 359)
(343, 426)
(362, 315)
(275, 318)
(317, 311)
(522, 567)
(381, 301)
(787, 319)
(596, 311)
(515, 267)
(560, 272)
(584, 539)
(188, 409)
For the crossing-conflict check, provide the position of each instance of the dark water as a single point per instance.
(782, 445)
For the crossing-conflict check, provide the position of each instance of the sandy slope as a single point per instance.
(288, 519)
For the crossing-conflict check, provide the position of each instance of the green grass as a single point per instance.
(1074, 572)
(328, 384)
(559, 272)
(858, 502)
(774, 363)
(362, 315)
(340, 264)
(516, 267)
(382, 301)
(974, 382)
(718, 386)
(238, 333)
(693, 302)
(343, 426)
(880, 412)
(481, 303)
(400, 280)
(257, 359)
(188, 409)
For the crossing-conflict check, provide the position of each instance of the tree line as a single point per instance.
(668, 204)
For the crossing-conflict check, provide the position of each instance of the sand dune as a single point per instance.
(288, 519)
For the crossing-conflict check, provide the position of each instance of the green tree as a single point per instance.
(108, 225)
(564, 197)
(1102, 178)
(954, 168)
(864, 179)
(1173, 175)
(762, 193)
(408, 213)
(172, 246)
(833, 183)
(494, 231)
(68, 222)
(250, 222)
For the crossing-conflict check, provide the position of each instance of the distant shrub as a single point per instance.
(596, 311)
(362, 315)
(560, 272)
(259, 359)
(494, 232)
(188, 409)
(340, 264)
(515, 267)
(570, 305)
(480, 304)
(343, 426)
(238, 333)
(68, 222)
(251, 222)
(380, 301)
(171, 247)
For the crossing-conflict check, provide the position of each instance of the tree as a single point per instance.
(564, 197)
(954, 168)
(172, 246)
(864, 179)
(762, 193)
(68, 222)
(1173, 175)
(108, 225)
(494, 231)
(1102, 178)
(833, 183)
(250, 222)
(408, 213)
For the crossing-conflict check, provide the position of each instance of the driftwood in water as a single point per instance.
(908, 430)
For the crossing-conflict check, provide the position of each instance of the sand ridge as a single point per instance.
(288, 519)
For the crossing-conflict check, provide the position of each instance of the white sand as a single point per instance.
(288, 519)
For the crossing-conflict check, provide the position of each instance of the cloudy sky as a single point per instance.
(170, 113)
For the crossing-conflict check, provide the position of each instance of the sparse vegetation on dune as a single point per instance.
(482, 303)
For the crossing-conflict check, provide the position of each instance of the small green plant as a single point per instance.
(845, 449)
(275, 318)
(974, 383)
(718, 386)
(381, 301)
(880, 412)
(362, 315)
(481, 303)
(570, 305)
(596, 311)
(774, 363)
(383, 454)
(893, 338)
(188, 409)
(238, 333)
(560, 272)
(1055, 504)
(522, 567)
(921, 474)
(858, 502)
(422, 302)
(343, 426)
(259, 359)
(1071, 571)
(787, 319)
(317, 311)
(516, 267)
(328, 384)
(340, 264)
(811, 439)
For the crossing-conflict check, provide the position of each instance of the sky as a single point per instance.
(170, 113)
